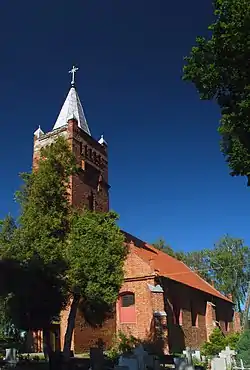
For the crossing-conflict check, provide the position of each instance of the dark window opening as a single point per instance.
(194, 315)
(127, 300)
(176, 312)
(226, 325)
(81, 148)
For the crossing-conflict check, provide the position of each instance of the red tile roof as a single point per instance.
(171, 268)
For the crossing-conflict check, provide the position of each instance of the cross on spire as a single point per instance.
(73, 71)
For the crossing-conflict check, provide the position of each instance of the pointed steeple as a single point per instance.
(72, 107)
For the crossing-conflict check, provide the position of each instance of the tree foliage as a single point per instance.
(58, 254)
(215, 344)
(230, 268)
(219, 68)
(227, 265)
(162, 246)
(242, 348)
(218, 342)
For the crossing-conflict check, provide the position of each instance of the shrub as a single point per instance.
(216, 343)
(122, 344)
(243, 348)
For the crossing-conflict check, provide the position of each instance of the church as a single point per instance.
(162, 302)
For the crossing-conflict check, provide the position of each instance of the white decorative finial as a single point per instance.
(73, 71)
(39, 132)
(102, 141)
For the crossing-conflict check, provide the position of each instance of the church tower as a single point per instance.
(89, 187)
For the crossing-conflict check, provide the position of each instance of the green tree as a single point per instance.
(95, 254)
(216, 343)
(243, 348)
(198, 261)
(162, 246)
(218, 66)
(58, 251)
(230, 268)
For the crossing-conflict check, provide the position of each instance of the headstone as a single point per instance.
(228, 355)
(188, 354)
(130, 362)
(141, 356)
(218, 363)
(117, 367)
(11, 356)
(180, 363)
(96, 358)
(197, 354)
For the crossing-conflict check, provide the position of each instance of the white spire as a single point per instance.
(39, 132)
(72, 107)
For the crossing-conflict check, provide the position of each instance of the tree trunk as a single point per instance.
(47, 349)
(246, 311)
(70, 327)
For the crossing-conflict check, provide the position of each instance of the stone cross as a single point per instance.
(227, 354)
(73, 71)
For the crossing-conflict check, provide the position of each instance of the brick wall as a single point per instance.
(86, 336)
(198, 315)
(90, 187)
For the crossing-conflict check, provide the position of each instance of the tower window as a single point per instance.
(81, 148)
(90, 153)
(86, 151)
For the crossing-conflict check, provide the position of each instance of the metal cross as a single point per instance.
(73, 71)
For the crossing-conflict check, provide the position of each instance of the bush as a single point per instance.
(122, 344)
(243, 348)
(216, 343)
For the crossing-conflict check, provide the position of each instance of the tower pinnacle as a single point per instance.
(72, 107)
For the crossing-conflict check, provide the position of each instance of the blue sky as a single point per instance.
(168, 178)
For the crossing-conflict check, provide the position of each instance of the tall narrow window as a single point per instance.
(226, 326)
(177, 313)
(81, 149)
(194, 314)
(127, 308)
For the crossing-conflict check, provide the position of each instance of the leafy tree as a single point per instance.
(218, 66)
(215, 345)
(162, 246)
(198, 261)
(230, 268)
(243, 348)
(57, 253)
(95, 255)
(227, 265)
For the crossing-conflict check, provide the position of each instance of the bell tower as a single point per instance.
(90, 186)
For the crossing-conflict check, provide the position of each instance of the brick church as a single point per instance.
(161, 301)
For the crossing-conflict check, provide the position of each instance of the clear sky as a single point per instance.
(167, 175)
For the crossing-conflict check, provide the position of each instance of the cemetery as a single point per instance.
(130, 354)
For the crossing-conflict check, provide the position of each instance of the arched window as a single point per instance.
(127, 308)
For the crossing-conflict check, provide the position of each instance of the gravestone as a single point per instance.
(11, 356)
(141, 356)
(188, 354)
(218, 363)
(96, 358)
(228, 355)
(130, 362)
